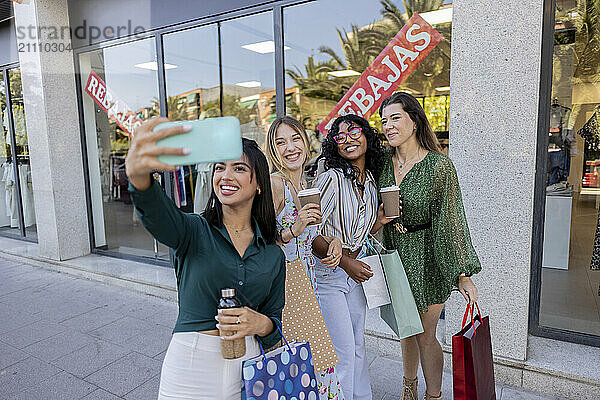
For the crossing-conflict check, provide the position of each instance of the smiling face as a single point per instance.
(352, 149)
(234, 183)
(290, 147)
(398, 128)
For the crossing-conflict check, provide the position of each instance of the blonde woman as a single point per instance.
(287, 149)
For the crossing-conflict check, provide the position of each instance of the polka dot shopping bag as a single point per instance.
(286, 373)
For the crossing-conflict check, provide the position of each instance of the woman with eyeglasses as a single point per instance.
(431, 236)
(353, 158)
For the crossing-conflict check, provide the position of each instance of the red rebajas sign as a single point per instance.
(392, 66)
(116, 109)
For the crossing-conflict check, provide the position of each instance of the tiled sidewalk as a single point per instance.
(67, 338)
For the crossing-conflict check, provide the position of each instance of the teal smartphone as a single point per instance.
(210, 140)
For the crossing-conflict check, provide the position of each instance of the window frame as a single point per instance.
(539, 201)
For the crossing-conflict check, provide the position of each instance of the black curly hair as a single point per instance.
(374, 157)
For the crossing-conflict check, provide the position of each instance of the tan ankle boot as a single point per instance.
(430, 397)
(409, 389)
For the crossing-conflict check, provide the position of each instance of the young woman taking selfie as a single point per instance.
(231, 245)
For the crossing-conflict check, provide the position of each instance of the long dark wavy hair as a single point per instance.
(263, 211)
(425, 135)
(374, 156)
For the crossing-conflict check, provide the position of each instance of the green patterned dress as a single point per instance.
(440, 248)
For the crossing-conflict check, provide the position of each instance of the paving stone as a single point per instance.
(154, 342)
(386, 375)
(122, 330)
(66, 310)
(9, 355)
(126, 374)
(100, 394)
(13, 319)
(25, 374)
(161, 356)
(59, 345)
(90, 358)
(148, 390)
(59, 387)
(509, 393)
(32, 333)
(91, 320)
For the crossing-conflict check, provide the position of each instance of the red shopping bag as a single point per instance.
(472, 363)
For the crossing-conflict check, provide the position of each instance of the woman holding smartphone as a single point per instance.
(431, 236)
(231, 245)
(353, 155)
(287, 151)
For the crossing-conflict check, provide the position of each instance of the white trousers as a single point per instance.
(344, 309)
(194, 368)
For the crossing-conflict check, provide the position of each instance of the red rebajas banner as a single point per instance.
(392, 66)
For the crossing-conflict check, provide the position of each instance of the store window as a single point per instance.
(323, 62)
(130, 72)
(17, 211)
(222, 69)
(571, 253)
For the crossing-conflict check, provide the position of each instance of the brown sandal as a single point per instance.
(430, 397)
(409, 389)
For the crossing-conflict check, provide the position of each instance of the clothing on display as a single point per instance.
(10, 187)
(203, 186)
(559, 164)
(591, 132)
(561, 137)
(11, 203)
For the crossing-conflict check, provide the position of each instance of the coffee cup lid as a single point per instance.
(308, 192)
(390, 189)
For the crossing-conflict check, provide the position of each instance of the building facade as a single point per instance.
(513, 92)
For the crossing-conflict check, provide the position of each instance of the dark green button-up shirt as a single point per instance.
(206, 261)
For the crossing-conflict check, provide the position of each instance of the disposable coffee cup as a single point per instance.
(310, 196)
(391, 201)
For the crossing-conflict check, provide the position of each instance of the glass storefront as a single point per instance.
(221, 69)
(323, 62)
(570, 293)
(130, 72)
(17, 211)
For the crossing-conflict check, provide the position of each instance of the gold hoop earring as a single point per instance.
(258, 191)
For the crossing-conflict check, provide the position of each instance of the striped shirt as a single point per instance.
(346, 215)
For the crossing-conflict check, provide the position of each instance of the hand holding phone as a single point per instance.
(209, 140)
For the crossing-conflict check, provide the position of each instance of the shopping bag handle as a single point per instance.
(470, 309)
(377, 242)
(282, 336)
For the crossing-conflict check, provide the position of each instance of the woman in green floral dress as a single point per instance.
(431, 236)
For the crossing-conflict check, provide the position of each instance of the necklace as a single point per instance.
(412, 160)
(238, 232)
(294, 186)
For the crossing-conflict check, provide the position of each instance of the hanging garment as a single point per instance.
(559, 164)
(11, 195)
(27, 195)
(4, 218)
(591, 132)
(203, 186)
(595, 263)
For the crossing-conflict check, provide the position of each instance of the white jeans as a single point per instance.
(194, 368)
(344, 308)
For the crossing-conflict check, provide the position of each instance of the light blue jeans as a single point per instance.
(344, 308)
